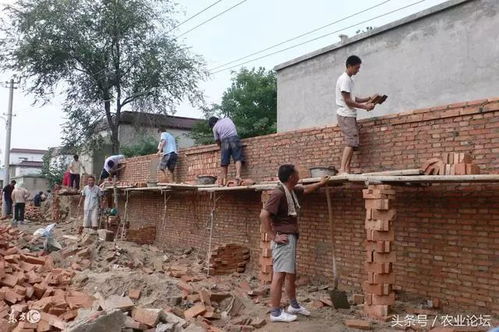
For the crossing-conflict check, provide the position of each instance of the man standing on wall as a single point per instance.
(279, 217)
(7, 197)
(347, 104)
(74, 170)
(167, 150)
(225, 134)
(19, 197)
(91, 193)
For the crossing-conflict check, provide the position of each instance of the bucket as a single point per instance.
(206, 179)
(318, 172)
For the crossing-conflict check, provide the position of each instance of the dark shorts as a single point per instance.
(231, 146)
(104, 175)
(350, 130)
(169, 161)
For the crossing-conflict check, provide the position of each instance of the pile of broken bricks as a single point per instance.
(33, 213)
(209, 306)
(31, 283)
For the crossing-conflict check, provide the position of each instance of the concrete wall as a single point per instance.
(33, 184)
(21, 171)
(442, 55)
(129, 135)
(17, 157)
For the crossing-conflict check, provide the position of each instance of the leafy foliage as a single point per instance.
(250, 101)
(53, 167)
(145, 146)
(104, 54)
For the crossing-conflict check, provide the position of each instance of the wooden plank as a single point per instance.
(415, 171)
(411, 179)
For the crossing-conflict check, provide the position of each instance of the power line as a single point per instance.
(314, 39)
(212, 18)
(195, 15)
(301, 35)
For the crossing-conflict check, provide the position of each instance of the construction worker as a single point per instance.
(225, 134)
(37, 200)
(167, 150)
(74, 170)
(91, 193)
(7, 198)
(348, 104)
(112, 165)
(279, 217)
(19, 197)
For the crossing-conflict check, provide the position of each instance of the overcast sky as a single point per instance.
(251, 26)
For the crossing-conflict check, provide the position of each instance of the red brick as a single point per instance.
(149, 317)
(134, 294)
(380, 236)
(358, 298)
(197, 309)
(358, 324)
(377, 204)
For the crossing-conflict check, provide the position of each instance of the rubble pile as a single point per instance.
(34, 293)
(34, 213)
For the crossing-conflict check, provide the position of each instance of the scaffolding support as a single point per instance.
(214, 199)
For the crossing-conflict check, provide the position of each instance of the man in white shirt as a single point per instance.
(74, 170)
(167, 151)
(19, 197)
(348, 104)
(112, 165)
(92, 194)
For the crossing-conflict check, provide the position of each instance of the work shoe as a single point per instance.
(301, 310)
(283, 317)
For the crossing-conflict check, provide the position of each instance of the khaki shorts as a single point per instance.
(91, 218)
(350, 130)
(284, 255)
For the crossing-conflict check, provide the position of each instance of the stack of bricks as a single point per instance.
(380, 214)
(458, 164)
(265, 260)
(229, 258)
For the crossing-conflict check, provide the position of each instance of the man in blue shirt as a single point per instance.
(167, 150)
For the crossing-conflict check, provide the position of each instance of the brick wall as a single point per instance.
(447, 236)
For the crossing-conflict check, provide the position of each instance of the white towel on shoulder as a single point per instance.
(293, 205)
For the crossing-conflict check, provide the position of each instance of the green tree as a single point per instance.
(250, 101)
(108, 54)
(53, 167)
(145, 146)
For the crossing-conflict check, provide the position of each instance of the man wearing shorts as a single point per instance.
(91, 193)
(225, 134)
(167, 150)
(347, 104)
(279, 217)
(112, 166)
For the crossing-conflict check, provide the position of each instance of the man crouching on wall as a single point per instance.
(280, 219)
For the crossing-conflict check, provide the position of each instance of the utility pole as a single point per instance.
(8, 132)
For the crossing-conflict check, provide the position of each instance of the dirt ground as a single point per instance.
(116, 267)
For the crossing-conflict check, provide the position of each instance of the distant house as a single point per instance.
(25, 162)
(26, 168)
(135, 126)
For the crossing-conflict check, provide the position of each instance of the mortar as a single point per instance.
(318, 172)
(206, 179)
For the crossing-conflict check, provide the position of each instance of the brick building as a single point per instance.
(446, 235)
